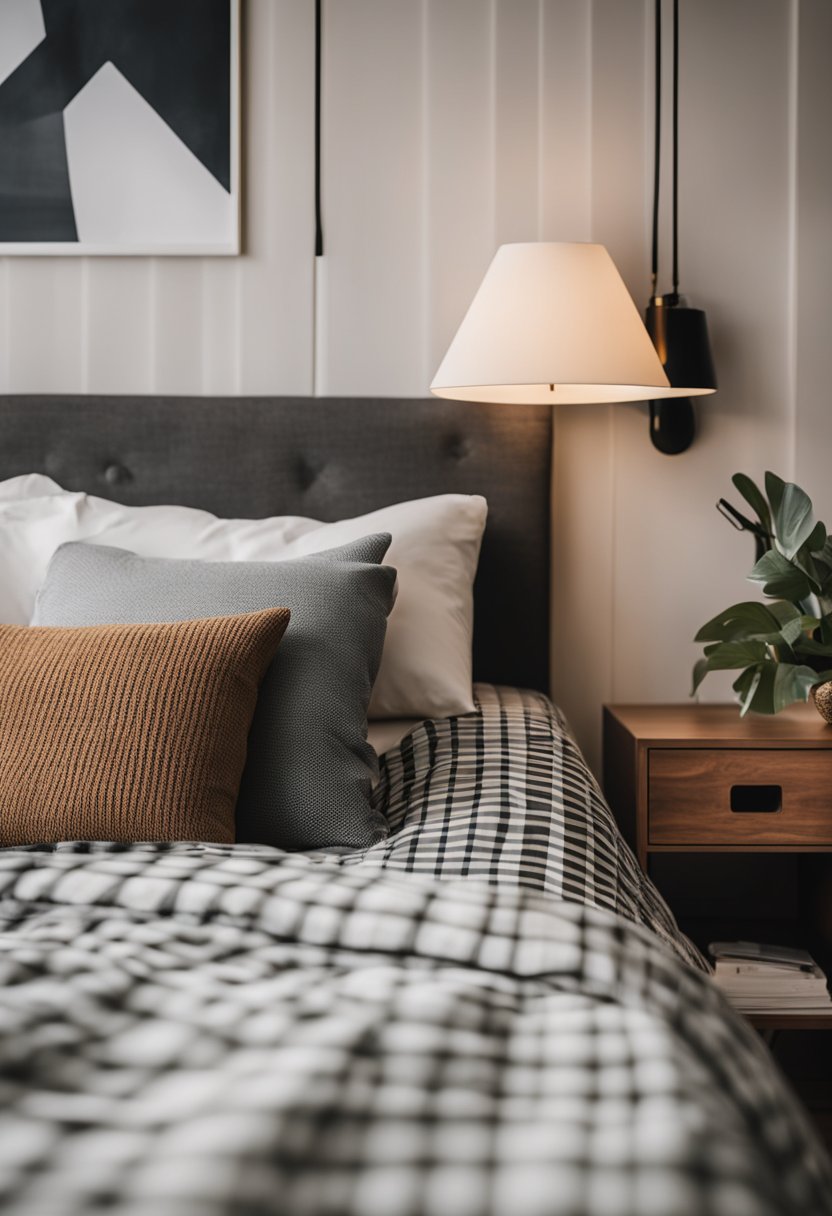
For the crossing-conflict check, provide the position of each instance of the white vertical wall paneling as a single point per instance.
(373, 120)
(460, 172)
(220, 313)
(118, 325)
(176, 294)
(276, 272)
(517, 113)
(814, 253)
(735, 209)
(676, 562)
(565, 170)
(5, 333)
(43, 344)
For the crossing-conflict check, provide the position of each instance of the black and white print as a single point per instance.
(119, 126)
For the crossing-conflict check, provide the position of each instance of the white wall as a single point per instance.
(449, 127)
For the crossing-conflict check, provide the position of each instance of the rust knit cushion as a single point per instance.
(128, 732)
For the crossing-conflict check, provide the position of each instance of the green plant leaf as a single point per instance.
(744, 680)
(824, 553)
(817, 538)
(780, 577)
(793, 519)
(759, 691)
(776, 686)
(724, 656)
(727, 655)
(700, 670)
(755, 499)
(810, 623)
(822, 559)
(746, 686)
(810, 646)
(774, 491)
(785, 612)
(777, 646)
(791, 684)
(760, 696)
(815, 572)
(790, 619)
(788, 634)
(749, 619)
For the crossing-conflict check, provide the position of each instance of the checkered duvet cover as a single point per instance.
(490, 1013)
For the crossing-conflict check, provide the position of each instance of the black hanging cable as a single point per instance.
(679, 333)
(319, 228)
(675, 151)
(657, 141)
(657, 164)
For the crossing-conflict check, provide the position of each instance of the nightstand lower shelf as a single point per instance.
(784, 932)
(790, 1021)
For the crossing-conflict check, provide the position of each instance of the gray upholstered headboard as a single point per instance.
(328, 458)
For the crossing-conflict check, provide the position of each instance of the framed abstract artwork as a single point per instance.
(119, 127)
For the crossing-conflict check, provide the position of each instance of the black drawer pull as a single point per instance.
(757, 799)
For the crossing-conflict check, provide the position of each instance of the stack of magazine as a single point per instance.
(757, 978)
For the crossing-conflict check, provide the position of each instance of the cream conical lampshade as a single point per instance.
(552, 322)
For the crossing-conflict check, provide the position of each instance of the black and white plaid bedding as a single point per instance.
(190, 1030)
(506, 796)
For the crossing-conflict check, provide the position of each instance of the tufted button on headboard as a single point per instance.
(328, 458)
(116, 475)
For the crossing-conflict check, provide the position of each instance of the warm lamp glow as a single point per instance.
(552, 322)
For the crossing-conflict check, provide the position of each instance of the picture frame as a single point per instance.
(145, 168)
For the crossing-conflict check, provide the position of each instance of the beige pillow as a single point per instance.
(128, 732)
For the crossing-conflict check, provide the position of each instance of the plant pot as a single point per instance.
(822, 697)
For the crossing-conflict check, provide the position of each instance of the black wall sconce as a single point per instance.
(679, 333)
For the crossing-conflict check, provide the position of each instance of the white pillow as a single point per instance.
(426, 666)
(28, 485)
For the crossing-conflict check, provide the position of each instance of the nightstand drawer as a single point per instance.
(739, 796)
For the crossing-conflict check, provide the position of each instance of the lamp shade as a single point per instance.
(552, 322)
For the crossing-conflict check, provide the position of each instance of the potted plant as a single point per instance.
(782, 648)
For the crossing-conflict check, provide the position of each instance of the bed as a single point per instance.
(489, 1011)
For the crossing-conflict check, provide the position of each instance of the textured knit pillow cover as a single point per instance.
(310, 770)
(128, 732)
(426, 668)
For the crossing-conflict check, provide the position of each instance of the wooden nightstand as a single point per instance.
(698, 779)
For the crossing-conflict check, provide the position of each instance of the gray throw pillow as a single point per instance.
(309, 768)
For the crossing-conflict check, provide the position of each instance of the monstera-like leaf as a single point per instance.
(782, 648)
(793, 520)
(782, 578)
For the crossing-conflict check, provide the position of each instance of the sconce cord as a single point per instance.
(657, 148)
(319, 227)
(657, 151)
(675, 151)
